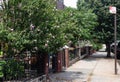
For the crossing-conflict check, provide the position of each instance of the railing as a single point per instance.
(73, 55)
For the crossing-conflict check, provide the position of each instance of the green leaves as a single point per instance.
(87, 20)
(51, 29)
(13, 69)
(2, 64)
(105, 29)
(19, 17)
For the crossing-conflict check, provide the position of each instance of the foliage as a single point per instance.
(77, 24)
(37, 24)
(96, 46)
(31, 24)
(67, 22)
(13, 69)
(2, 65)
(87, 20)
(104, 32)
(28, 25)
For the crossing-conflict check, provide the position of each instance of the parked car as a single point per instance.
(118, 48)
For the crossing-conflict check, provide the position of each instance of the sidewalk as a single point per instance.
(96, 68)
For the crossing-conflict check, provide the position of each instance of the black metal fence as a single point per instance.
(18, 69)
(73, 55)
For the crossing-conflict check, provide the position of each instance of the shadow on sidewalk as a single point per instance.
(98, 55)
(68, 76)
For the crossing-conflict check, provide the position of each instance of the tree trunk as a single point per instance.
(108, 50)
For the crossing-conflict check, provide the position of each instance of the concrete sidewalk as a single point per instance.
(96, 68)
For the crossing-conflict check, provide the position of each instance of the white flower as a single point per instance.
(53, 36)
(11, 29)
(47, 41)
(46, 45)
(32, 27)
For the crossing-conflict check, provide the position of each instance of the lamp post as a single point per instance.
(112, 10)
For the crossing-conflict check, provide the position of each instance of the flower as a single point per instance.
(32, 27)
(46, 45)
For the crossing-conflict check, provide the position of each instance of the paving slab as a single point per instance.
(96, 68)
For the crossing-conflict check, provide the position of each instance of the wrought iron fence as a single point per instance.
(73, 53)
(17, 70)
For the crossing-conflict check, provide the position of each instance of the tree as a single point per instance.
(104, 32)
(77, 24)
(38, 25)
(30, 24)
(87, 20)
(68, 23)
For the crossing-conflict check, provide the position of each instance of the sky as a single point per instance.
(71, 3)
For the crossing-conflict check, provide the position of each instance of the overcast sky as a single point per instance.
(71, 3)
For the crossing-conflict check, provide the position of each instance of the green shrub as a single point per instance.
(13, 69)
(2, 64)
(97, 46)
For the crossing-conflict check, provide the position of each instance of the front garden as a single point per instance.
(31, 30)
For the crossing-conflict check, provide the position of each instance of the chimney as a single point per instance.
(60, 4)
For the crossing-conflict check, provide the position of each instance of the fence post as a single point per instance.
(59, 61)
(46, 65)
(66, 57)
